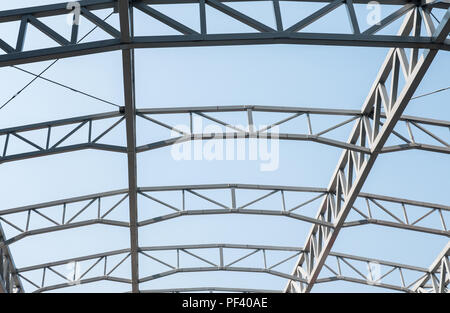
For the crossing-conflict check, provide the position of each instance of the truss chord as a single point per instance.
(331, 140)
(222, 249)
(438, 229)
(262, 33)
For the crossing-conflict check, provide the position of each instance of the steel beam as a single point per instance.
(61, 8)
(373, 212)
(126, 28)
(343, 183)
(174, 41)
(99, 259)
(262, 35)
(410, 124)
(218, 109)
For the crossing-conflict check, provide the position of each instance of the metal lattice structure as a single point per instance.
(381, 116)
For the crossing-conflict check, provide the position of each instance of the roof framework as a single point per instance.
(381, 116)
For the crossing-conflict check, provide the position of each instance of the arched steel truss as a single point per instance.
(99, 269)
(404, 131)
(341, 203)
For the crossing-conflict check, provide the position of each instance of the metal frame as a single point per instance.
(380, 118)
(262, 34)
(404, 131)
(371, 208)
(219, 260)
(126, 30)
(320, 240)
(433, 283)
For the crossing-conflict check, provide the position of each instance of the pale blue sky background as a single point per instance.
(285, 75)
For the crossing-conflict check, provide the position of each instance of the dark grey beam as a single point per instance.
(387, 205)
(93, 143)
(61, 8)
(221, 40)
(190, 38)
(126, 30)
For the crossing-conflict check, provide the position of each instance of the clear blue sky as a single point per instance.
(284, 75)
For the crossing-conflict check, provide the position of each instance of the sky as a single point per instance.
(275, 75)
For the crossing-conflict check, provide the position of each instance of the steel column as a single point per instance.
(126, 28)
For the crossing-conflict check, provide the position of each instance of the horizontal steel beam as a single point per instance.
(248, 135)
(218, 40)
(221, 248)
(211, 109)
(410, 125)
(218, 269)
(262, 212)
(263, 34)
(92, 5)
(371, 209)
(218, 186)
(61, 8)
